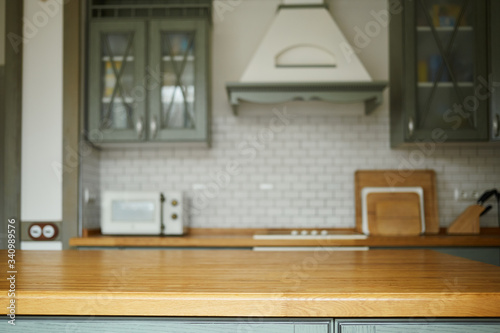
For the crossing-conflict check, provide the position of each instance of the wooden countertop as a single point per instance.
(243, 238)
(385, 283)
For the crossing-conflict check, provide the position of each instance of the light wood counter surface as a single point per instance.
(390, 283)
(242, 238)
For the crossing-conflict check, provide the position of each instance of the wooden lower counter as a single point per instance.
(390, 283)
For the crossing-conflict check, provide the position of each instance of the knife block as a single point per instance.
(468, 222)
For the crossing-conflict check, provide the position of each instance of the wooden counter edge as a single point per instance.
(261, 305)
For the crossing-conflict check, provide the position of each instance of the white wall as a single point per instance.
(237, 31)
(353, 16)
(41, 187)
(2, 32)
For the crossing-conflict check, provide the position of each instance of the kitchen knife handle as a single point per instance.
(486, 210)
(496, 126)
(486, 195)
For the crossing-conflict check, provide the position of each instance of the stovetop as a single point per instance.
(310, 234)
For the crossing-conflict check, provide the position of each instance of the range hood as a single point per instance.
(304, 56)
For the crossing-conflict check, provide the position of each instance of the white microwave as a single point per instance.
(142, 213)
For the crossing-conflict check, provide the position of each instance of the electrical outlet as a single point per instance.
(43, 231)
(466, 195)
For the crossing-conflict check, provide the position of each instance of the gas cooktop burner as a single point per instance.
(310, 234)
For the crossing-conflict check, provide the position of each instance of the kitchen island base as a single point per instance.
(40, 324)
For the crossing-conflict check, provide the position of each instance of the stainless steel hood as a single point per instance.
(305, 56)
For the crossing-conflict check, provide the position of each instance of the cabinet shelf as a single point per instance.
(128, 100)
(444, 84)
(118, 58)
(177, 58)
(445, 29)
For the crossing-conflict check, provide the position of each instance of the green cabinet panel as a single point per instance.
(194, 325)
(312, 328)
(439, 71)
(486, 255)
(148, 79)
(416, 326)
(226, 327)
(456, 328)
(494, 39)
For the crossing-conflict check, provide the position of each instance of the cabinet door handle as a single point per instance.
(496, 126)
(153, 127)
(139, 128)
(411, 126)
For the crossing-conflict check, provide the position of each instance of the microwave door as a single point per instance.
(137, 213)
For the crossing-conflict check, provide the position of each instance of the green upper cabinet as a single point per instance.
(494, 39)
(439, 71)
(148, 72)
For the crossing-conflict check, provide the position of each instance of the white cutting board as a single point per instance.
(367, 190)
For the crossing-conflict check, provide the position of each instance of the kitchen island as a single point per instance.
(240, 284)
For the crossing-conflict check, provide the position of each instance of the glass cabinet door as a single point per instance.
(178, 78)
(117, 96)
(178, 107)
(448, 70)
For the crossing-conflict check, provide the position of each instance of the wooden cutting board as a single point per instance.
(400, 178)
(394, 214)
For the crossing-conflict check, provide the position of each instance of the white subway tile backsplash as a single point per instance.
(308, 195)
(316, 203)
(316, 187)
(299, 186)
(273, 195)
(310, 166)
(325, 212)
(307, 178)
